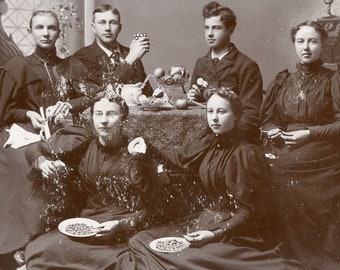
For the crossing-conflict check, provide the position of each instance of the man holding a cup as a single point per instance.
(106, 61)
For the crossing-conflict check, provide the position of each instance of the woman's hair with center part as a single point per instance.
(115, 98)
(215, 9)
(228, 94)
(43, 12)
(317, 27)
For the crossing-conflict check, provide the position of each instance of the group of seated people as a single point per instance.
(269, 166)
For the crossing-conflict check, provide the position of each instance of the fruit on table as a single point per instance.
(177, 70)
(159, 72)
(168, 80)
(182, 104)
(177, 77)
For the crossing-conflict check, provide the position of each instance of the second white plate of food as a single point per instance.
(169, 244)
(78, 227)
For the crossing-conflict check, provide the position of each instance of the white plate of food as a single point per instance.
(169, 244)
(78, 227)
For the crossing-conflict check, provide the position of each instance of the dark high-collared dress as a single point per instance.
(116, 187)
(237, 208)
(307, 174)
(26, 84)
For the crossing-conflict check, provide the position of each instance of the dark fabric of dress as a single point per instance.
(117, 187)
(239, 70)
(237, 207)
(308, 175)
(25, 85)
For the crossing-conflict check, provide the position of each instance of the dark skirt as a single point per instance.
(21, 203)
(57, 251)
(308, 182)
(247, 251)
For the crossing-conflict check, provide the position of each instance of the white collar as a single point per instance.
(219, 58)
(106, 50)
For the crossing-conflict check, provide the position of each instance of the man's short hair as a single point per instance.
(215, 9)
(104, 8)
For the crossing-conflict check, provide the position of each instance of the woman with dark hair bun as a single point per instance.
(301, 130)
(234, 229)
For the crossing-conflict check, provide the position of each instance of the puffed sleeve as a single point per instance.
(270, 118)
(14, 79)
(188, 156)
(247, 178)
(332, 130)
(67, 144)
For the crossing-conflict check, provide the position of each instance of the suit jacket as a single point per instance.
(237, 69)
(91, 64)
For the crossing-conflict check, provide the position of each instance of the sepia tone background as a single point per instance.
(175, 28)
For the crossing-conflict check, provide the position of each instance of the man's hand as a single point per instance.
(193, 93)
(137, 49)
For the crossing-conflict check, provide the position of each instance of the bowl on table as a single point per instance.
(152, 103)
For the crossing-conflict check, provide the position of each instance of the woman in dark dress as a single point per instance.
(235, 230)
(26, 84)
(301, 129)
(118, 188)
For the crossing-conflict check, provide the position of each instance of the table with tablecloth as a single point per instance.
(166, 127)
(172, 127)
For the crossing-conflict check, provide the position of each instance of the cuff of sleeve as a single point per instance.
(219, 234)
(313, 132)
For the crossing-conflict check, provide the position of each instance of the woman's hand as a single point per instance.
(199, 238)
(137, 146)
(50, 167)
(272, 134)
(36, 119)
(60, 108)
(107, 229)
(294, 138)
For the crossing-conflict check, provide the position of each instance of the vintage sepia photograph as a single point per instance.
(169, 135)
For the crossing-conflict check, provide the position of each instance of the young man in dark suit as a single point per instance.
(106, 60)
(225, 66)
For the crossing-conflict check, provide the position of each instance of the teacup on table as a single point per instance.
(131, 92)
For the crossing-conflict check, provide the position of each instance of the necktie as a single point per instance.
(215, 61)
(115, 57)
